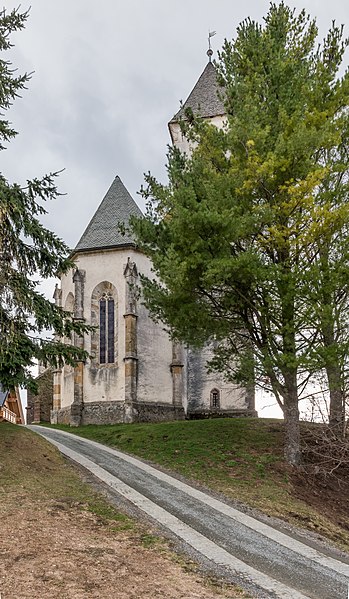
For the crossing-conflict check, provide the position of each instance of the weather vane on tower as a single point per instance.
(210, 51)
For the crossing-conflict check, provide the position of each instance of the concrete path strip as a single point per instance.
(193, 538)
(255, 525)
(240, 544)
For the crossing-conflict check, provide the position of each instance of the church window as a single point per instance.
(104, 319)
(215, 398)
(106, 329)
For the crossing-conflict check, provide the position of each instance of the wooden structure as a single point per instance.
(11, 406)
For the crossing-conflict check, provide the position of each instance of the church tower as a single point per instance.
(205, 101)
(208, 393)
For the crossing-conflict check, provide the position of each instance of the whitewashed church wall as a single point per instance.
(181, 142)
(104, 382)
(155, 356)
(67, 286)
(154, 378)
(154, 352)
(107, 383)
(201, 383)
(67, 374)
(67, 386)
(185, 379)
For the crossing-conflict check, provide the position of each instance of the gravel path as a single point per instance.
(247, 550)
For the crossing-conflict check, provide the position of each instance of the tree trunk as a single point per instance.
(334, 379)
(335, 384)
(332, 349)
(286, 286)
(292, 448)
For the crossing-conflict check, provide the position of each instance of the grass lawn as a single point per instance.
(240, 457)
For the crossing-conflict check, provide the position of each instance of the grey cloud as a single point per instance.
(108, 77)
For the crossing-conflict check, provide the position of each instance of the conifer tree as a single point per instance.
(237, 237)
(28, 252)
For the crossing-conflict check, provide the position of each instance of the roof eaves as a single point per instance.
(117, 246)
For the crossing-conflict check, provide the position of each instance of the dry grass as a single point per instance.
(59, 538)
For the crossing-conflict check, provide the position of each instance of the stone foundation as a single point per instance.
(76, 410)
(61, 416)
(107, 412)
(114, 412)
(202, 414)
(154, 412)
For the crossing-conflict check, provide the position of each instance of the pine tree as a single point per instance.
(28, 252)
(236, 236)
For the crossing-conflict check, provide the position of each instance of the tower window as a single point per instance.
(106, 329)
(215, 398)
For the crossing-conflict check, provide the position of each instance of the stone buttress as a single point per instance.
(130, 359)
(78, 402)
(57, 372)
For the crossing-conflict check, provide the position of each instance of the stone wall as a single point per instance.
(113, 412)
(61, 416)
(155, 412)
(107, 412)
(218, 413)
(39, 405)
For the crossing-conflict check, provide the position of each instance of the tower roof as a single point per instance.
(204, 99)
(116, 207)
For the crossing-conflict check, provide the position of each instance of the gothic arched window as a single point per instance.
(104, 319)
(106, 329)
(215, 398)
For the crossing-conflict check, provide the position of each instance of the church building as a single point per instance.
(135, 373)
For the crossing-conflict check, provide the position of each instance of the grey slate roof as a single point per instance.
(116, 207)
(204, 100)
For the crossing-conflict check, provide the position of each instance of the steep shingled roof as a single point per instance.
(116, 207)
(204, 99)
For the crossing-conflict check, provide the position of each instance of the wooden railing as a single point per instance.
(6, 414)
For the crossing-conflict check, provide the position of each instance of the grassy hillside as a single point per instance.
(242, 458)
(32, 467)
(60, 538)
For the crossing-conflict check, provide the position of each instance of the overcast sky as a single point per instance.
(108, 76)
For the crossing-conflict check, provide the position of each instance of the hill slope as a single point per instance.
(242, 458)
(58, 538)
